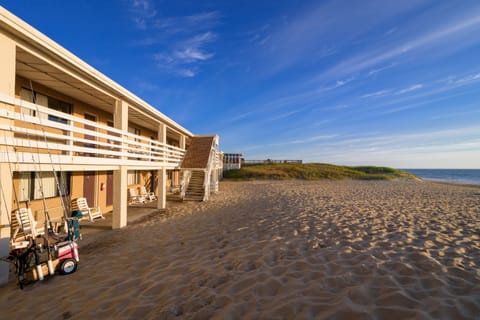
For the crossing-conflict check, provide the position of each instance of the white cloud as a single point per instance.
(186, 55)
(335, 107)
(337, 84)
(381, 69)
(143, 12)
(191, 54)
(186, 73)
(465, 79)
(313, 139)
(181, 40)
(437, 41)
(380, 93)
(185, 24)
(327, 24)
(449, 148)
(410, 89)
(456, 114)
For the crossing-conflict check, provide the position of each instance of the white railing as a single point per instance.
(187, 174)
(38, 134)
(213, 164)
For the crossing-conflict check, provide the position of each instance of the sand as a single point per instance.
(279, 250)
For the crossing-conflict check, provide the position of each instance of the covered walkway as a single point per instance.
(135, 214)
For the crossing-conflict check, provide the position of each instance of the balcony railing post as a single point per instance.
(71, 137)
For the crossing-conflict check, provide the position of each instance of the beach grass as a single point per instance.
(315, 171)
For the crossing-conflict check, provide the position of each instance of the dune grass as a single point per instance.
(315, 171)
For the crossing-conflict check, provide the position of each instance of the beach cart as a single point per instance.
(47, 254)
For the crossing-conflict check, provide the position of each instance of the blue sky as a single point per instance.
(393, 83)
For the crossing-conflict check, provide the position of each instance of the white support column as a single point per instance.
(162, 133)
(182, 142)
(120, 200)
(162, 173)
(7, 86)
(162, 189)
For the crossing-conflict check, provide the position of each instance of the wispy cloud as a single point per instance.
(336, 85)
(466, 79)
(430, 148)
(286, 114)
(429, 41)
(380, 93)
(143, 12)
(457, 114)
(335, 107)
(183, 59)
(298, 35)
(410, 88)
(185, 24)
(313, 139)
(389, 92)
(305, 140)
(143, 85)
(435, 91)
(381, 69)
(180, 41)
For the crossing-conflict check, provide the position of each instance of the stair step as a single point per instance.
(195, 189)
(193, 199)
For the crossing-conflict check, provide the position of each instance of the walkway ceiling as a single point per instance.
(35, 69)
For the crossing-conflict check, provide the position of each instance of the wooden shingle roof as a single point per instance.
(198, 152)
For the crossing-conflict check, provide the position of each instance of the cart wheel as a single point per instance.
(68, 266)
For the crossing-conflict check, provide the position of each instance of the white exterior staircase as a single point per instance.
(196, 189)
(201, 168)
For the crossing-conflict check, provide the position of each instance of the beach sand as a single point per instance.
(279, 250)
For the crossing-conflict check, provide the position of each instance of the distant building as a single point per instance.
(232, 161)
(268, 161)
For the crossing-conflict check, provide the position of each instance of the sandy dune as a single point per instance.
(279, 250)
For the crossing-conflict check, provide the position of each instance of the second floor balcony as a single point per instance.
(33, 136)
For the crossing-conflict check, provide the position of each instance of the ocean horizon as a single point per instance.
(467, 176)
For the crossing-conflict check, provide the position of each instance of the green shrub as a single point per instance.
(315, 171)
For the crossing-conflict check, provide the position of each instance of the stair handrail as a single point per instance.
(187, 174)
(208, 172)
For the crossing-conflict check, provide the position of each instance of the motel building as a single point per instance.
(67, 131)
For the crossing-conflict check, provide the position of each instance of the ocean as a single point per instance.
(468, 176)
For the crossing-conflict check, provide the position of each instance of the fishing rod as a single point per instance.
(48, 222)
(38, 177)
(13, 185)
(62, 192)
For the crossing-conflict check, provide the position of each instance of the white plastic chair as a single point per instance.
(134, 197)
(87, 212)
(26, 224)
(147, 195)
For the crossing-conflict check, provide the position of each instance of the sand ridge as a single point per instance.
(280, 250)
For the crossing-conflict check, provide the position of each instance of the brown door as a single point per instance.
(89, 187)
(109, 188)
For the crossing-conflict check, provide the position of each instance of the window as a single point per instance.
(132, 177)
(59, 106)
(31, 184)
(34, 97)
(42, 100)
(135, 131)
